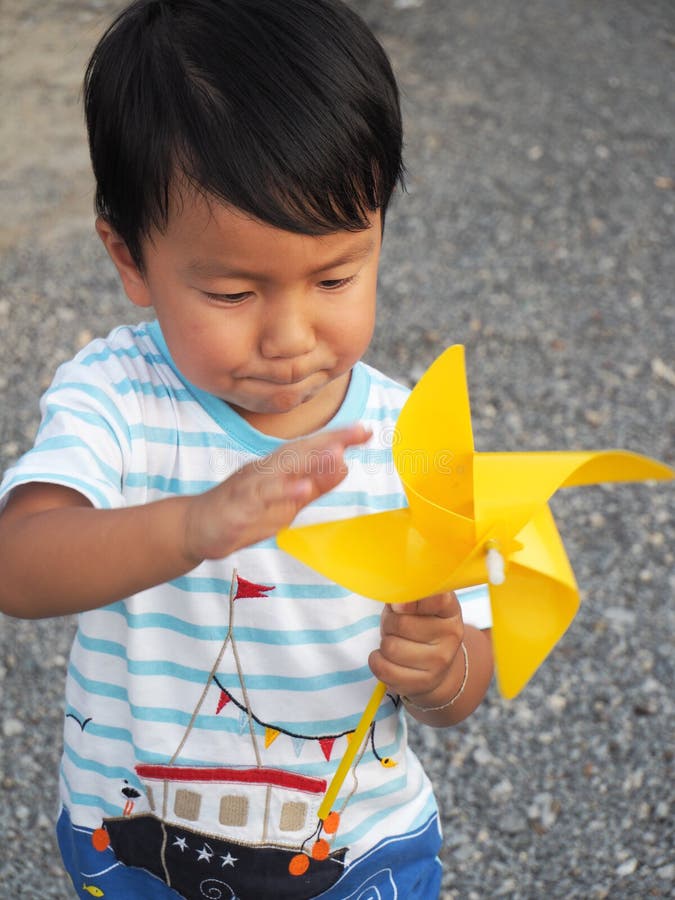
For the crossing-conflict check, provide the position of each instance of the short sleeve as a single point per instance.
(83, 440)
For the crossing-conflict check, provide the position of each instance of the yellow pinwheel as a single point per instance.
(471, 517)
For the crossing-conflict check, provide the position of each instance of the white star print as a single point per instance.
(205, 853)
(228, 860)
(180, 842)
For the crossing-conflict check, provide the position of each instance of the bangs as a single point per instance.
(285, 109)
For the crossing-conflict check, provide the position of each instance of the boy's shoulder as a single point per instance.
(128, 355)
(383, 384)
(374, 398)
(124, 342)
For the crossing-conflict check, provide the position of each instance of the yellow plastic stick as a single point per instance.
(351, 751)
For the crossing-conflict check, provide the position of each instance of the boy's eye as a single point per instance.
(332, 284)
(228, 298)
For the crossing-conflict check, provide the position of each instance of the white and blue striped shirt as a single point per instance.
(121, 426)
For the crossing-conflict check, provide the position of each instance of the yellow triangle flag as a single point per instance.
(271, 734)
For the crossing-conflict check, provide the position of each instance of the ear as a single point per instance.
(131, 276)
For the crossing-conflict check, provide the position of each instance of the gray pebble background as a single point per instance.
(538, 230)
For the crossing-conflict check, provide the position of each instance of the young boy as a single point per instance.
(245, 152)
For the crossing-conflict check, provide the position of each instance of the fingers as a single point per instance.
(419, 642)
(445, 606)
(307, 468)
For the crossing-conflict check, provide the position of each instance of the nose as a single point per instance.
(288, 329)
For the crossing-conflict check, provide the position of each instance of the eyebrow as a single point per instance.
(217, 269)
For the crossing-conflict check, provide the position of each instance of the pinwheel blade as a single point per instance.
(381, 556)
(509, 487)
(534, 607)
(433, 443)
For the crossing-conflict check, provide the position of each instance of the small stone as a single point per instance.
(502, 789)
(667, 873)
(662, 811)
(596, 226)
(511, 823)
(599, 892)
(634, 781)
(535, 153)
(83, 338)
(594, 417)
(556, 702)
(482, 756)
(12, 727)
(544, 810)
(10, 449)
(627, 867)
(620, 616)
(662, 371)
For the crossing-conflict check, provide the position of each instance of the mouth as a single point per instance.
(282, 381)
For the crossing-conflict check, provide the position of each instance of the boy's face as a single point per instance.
(270, 321)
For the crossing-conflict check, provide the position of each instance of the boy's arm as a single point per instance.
(60, 555)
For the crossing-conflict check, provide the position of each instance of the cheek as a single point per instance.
(356, 324)
(199, 349)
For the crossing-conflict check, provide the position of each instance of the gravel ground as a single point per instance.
(538, 231)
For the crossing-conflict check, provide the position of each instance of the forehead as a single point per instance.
(203, 234)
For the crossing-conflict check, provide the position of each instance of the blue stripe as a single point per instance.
(154, 434)
(369, 456)
(80, 799)
(130, 352)
(100, 688)
(148, 389)
(271, 637)
(98, 645)
(96, 394)
(358, 833)
(95, 419)
(69, 442)
(119, 773)
(338, 499)
(168, 485)
(473, 594)
(171, 623)
(308, 635)
(254, 682)
(282, 591)
(430, 810)
(384, 381)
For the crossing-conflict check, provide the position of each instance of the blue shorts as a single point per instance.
(403, 867)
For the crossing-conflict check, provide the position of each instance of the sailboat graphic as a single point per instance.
(228, 833)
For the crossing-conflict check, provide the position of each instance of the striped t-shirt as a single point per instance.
(222, 701)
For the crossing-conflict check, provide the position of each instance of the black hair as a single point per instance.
(285, 109)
